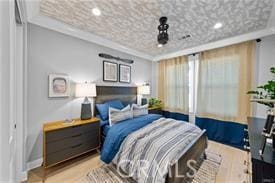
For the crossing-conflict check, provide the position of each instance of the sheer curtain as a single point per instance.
(224, 78)
(173, 84)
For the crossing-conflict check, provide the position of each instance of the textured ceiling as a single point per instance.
(133, 23)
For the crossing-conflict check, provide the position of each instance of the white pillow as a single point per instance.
(139, 110)
(116, 115)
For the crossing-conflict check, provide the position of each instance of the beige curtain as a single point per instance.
(173, 84)
(225, 76)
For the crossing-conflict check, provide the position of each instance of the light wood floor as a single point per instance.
(231, 169)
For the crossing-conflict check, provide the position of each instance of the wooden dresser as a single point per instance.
(64, 141)
(263, 167)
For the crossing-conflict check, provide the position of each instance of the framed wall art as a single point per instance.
(110, 70)
(124, 73)
(59, 85)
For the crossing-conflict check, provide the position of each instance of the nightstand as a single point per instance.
(155, 110)
(64, 141)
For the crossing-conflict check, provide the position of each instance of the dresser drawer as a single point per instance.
(91, 136)
(70, 152)
(70, 131)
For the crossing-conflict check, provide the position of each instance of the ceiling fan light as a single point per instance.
(96, 11)
(160, 45)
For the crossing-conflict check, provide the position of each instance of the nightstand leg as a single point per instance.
(44, 175)
(98, 150)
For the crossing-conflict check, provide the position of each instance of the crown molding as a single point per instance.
(58, 26)
(270, 29)
(34, 17)
(218, 44)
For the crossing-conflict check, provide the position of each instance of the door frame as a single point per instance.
(21, 93)
(12, 94)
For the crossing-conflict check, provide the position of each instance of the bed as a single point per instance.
(114, 137)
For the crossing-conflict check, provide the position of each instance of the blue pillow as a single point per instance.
(115, 104)
(103, 109)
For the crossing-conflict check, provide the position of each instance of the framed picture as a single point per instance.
(124, 73)
(110, 70)
(59, 85)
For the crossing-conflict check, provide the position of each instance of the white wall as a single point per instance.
(53, 52)
(154, 83)
(8, 169)
(265, 60)
(4, 91)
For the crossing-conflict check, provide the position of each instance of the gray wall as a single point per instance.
(53, 52)
(265, 60)
(6, 92)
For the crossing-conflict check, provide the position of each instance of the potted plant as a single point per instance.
(153, 102)
(265, 94)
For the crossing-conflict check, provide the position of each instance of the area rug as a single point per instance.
(206, 172)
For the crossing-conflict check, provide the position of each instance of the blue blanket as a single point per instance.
(104, 125)
(118, 132)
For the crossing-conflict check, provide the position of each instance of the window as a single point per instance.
(218, 79)
(173, 84)
(218, 86)
(193, 63)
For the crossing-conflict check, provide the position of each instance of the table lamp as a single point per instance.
(144, 90)
(85, 90)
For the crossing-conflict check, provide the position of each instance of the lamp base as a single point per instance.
(86, 112)
(143, 101)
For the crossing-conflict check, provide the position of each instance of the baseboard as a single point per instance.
(23, 176)
(34, 164)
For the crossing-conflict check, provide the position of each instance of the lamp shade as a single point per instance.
(144, 90)
(85, 90)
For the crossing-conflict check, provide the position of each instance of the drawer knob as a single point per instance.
(245, 129)
(245, 163)
(77, 135)
(76, 146)
(245, 140)
(246, 147)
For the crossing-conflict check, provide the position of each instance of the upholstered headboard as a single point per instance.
(127, 95)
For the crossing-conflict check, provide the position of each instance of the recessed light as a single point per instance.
(218, 25)
(96, 11)
(160, 45)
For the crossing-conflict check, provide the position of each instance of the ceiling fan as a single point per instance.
(163, 36)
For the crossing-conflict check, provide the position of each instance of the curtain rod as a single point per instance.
(193, 54)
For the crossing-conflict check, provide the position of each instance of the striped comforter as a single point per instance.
(146, 154)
